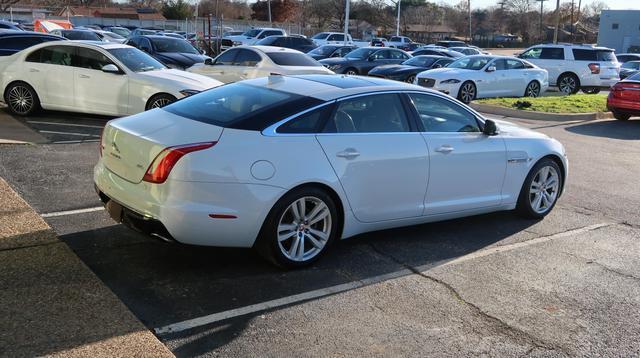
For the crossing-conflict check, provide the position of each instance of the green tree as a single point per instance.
(177, 10)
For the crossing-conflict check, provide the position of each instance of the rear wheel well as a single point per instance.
(4, 93)
(334, 195)
(570, 74)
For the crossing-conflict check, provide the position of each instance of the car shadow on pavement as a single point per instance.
(614, 129)
(168, 283)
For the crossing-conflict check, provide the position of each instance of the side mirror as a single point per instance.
(490, 128)
(110, 68)
(491, 69)
(208, 61)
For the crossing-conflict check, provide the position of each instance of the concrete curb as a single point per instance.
(52, 303)
(561, 117)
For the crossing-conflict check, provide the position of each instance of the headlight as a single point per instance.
(188, 92)
(453, 80)
(174, 66)
(237, 43)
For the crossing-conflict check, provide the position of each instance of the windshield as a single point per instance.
(324, 50)
(631, 65)
(112, 35)
(470, 63)
(252, 33)
(121, 31)
(292, 59)
(136, 60)
(420, 61)
(321, 36)
(173, 45)
(361, 53)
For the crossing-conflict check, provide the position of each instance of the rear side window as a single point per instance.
(241, 106)
(309, 122)
(550, 53)
(292, 59)
(54, 55)
(594, 55)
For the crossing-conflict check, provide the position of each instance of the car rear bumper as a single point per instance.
(195, 213)
(622, 105)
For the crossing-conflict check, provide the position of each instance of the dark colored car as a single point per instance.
(437, 52)
(411, 46)
(174, 53)
(327, 51)
(626, 57)
(451, 43)
(13, 41)
(408, 70)
(629, 69)
(8, 25)
(293, 42)
(86, 35)
(624, 98)
(362, 60)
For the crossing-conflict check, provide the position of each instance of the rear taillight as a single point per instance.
(595, 68)
(165, 161)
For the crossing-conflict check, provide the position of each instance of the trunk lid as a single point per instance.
(130, 144)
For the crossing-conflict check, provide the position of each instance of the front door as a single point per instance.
(97, 91)
(381, 163)
(467, 167)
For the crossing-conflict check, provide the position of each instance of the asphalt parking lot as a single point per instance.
(487, 285)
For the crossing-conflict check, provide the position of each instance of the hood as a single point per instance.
(440, 73)
(509, 129)
(184, 59)
(181, 79)
(395, 69)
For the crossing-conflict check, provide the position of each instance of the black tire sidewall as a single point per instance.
(158, 96)
(526, 90)
(523, 206)
(475, 95)
(576, 79)
(36, 99)
(267, 242)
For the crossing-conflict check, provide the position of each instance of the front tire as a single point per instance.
(21, 99)
(532, 90)
(411, 79)
(467, 92)
(299, 228)
(159, 101)
(540, 190)
(351, 72)
(621, 116)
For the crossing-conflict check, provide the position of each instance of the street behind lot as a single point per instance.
(491, 284)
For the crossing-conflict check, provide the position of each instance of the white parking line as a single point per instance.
(66, 124)
(284, 301)
(72, 212)
(72, 133)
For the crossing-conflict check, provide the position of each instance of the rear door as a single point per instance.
(51, 74)
(467, 167)
(380, 161)
(549, 58)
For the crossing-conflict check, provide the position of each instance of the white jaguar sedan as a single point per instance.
(289, 165)
(482, 76)
(92, 77)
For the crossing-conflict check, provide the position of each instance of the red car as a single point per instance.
(624, 98)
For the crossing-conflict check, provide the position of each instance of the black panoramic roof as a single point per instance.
(344, 81)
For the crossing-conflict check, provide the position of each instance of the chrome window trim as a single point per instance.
(271, 131)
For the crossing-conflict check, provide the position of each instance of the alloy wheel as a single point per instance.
(543, 191)
(567, 84)
(304, 229)
(411, 79)
(352, 73)
(160, 102)
(20, 99)
(533, 89)
(468, 92)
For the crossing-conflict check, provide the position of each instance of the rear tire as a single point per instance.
(411, 79)
(159, 101)
(540, 190)
(351, 72)
(296, 235)
(569, 83)
(467, 92)
(21, 99)
(621, 116)
(532, 90)
(591, 90)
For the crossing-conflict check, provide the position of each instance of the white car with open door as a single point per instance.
(246, 62)
(289, 165)
(482, 76)
(106, 78)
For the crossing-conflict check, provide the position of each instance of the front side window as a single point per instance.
(136, 60)
(551, 53)
(397, 55)
(380, 55)
(420, 61)
(54, 55)
(470, 63)
(380, 113)
(515, 65)
(246, 58)
(441, 115)
(173, 45)
(360, 54)
(323, 50)
(500, 65)
(226, 58)
(292, 59)
(321, 36)
(90, 59)
(534, 53)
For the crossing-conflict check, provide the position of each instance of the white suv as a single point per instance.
(331, 38)
(575, 67)
(252, 36)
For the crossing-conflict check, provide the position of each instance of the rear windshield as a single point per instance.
(292, 59)
(594, 55)
(81, 35)
(241, 106)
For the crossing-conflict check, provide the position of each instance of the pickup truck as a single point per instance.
(398, 41)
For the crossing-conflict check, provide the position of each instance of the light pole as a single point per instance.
(469, 6)
(346, 21)
(269, 7)
(398, 21)
(541, 11)
(555, 33)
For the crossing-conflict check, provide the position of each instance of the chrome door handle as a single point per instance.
(349, 153)
(445, 149)
(33, 70)
(83, 76)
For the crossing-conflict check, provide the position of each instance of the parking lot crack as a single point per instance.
(603, 266)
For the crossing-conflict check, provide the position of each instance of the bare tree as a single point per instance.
(6, 4)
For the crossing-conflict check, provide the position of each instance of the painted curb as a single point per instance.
(517, 113)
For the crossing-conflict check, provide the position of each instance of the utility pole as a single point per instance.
(346, 21)
(469, 5)
(398, 22)
(501, 3)
(269, 7)
(555, 32)
(541, 13)
(572, 32)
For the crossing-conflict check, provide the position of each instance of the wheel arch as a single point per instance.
(334, 195)
(4, 92)
(568, 73)
(148, 102)
(556, 158)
